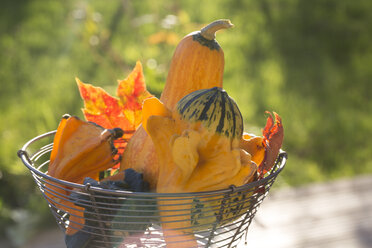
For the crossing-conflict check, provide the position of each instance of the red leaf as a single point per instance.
(273, 134)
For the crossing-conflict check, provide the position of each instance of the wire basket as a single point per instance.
(118, 218)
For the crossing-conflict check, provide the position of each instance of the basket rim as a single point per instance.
(25, 158)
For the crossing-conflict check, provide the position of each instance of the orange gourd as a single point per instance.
(197, 63)
(80, 149)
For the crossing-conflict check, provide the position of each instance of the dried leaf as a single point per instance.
(273, 134)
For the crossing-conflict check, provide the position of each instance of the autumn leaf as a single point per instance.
(273, 134)
(101, 108)
(124, 111)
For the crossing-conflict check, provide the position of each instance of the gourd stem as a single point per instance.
(209, 31)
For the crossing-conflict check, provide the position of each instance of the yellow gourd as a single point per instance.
(197, 148)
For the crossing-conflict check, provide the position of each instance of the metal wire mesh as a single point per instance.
(116, 218)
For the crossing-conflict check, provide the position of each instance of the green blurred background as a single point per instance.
(310, 61)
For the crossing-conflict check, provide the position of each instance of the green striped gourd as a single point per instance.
(215, 109)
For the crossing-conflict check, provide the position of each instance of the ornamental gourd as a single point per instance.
(198, 149)
(212, 122)
(80, 149)
(197, 63)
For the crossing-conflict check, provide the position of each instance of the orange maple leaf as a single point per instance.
(109, 112)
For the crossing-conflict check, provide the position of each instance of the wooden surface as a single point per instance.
(329, 215)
